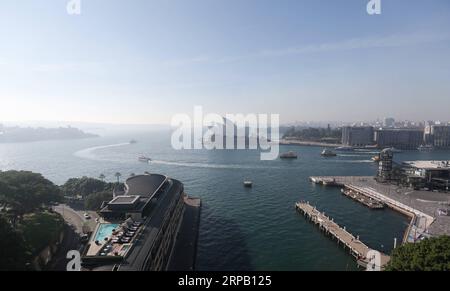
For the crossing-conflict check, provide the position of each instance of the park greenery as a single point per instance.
(26, 226)
(27, 222)
(431, 254)
(92, 191)
(23, 192)
(41, 229)
(332, 135)
(13, 252)
(95, 200)
(85, 186)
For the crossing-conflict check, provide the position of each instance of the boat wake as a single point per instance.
(210, 166)
(89, 152)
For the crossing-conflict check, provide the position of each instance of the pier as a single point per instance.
(363, 254)
(373, 191)
(367, 201)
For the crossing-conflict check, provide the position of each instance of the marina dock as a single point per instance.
(366, 187)
(363, 199)
(363, 254)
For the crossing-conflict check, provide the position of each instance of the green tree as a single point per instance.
(118, 175)
(23, 192)
(102, 177)
(314, 134)
(40, 230)
(13, 253)
(428, 255)
(85, 186)
(95, 200)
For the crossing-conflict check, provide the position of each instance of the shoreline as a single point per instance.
(309, 143)
(423, 219)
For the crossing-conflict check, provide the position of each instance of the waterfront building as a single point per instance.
(440, 136)
(141, 225)
(433, 175)
(357, 135)
(399, 138)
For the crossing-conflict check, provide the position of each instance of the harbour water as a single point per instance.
(241, 228)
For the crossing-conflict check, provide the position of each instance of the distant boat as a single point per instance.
(248, 184)
(426, 148)
(345, 149)
(328, 153)
(289, 155)
(144, 159)
(133, 141)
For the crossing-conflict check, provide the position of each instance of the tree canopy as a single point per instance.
(429, 255)
(95, 200)
(314, 134)
(23, 192)
(40, 230)
(85, 186)
(13, 252)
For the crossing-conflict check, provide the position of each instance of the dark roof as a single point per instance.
(138, 256)
(144, 185)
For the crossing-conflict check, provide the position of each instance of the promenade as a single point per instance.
(421, 206)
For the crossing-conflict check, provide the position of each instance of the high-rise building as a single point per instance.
(141, 226)
(385, 164)
(389, 122)
(357, 135)
(400, 138)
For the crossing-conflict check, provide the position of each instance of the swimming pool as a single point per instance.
(105, 231)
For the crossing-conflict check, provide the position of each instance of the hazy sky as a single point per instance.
(142, 61)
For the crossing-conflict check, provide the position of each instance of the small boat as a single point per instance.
(133, 141)
(376, 158)
(248, 184)
(289, 155)
(328, 153)
(345, 149)
(144, 159)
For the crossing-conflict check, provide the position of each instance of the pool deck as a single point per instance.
(93, 247)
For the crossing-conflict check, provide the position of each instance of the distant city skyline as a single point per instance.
(300, 123)
(144, 61)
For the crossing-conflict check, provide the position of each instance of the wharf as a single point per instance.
(358, 249)
(421, 210)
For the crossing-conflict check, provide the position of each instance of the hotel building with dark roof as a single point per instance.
(144, 224)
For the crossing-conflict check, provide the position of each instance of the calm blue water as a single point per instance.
(241, 229)
(105, 230)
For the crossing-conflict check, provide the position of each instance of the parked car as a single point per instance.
(84, 238)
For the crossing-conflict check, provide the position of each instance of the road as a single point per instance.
(72, 232)
(76, 218)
